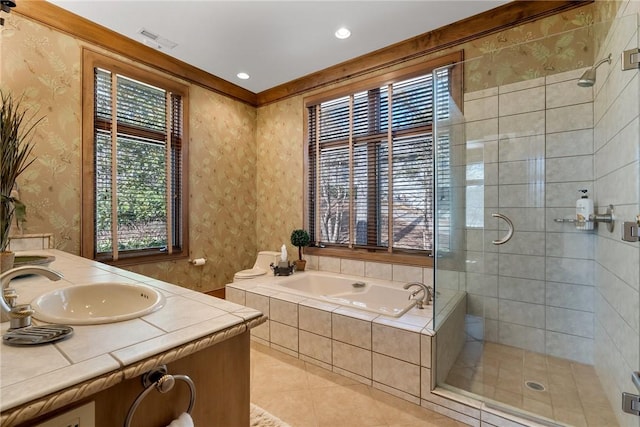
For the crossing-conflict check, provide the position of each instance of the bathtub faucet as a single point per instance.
(427, 293)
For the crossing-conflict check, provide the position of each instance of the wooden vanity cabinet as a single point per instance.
(221, 377)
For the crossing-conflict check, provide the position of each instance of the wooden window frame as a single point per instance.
(90, 61)
(397, 256)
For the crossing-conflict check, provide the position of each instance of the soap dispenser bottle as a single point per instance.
(584, 211)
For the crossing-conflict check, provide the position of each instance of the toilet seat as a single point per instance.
(264, 261)
(250, 273)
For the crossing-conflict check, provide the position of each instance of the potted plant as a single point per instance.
(300, 238)
(15, 149)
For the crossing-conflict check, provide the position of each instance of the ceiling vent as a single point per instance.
(154, 40)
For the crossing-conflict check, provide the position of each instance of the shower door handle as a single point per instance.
(509, 235)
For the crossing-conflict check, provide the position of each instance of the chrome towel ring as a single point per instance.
(163, 384)
(509, 235)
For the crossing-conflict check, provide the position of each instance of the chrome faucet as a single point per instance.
(20, 314)
(427, 290)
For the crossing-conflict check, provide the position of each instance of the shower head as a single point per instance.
(588, 79)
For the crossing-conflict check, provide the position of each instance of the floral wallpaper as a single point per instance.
(555, 44)
(43, 67)
(552, 45)
(280, 174)
(246, 164)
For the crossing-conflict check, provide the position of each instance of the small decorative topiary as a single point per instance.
(300, 238)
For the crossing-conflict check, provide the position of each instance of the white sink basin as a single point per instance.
(97, 303)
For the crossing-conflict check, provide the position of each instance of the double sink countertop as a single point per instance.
(32, 372)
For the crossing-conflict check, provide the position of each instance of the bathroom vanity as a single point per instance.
(193, 334)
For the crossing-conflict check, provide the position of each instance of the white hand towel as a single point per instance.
(184, 420)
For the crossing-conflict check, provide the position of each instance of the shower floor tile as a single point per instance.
(554, 388)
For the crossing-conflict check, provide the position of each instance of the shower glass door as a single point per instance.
(490, 237)
(463, 187)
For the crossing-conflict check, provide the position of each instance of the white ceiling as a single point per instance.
(273, 41)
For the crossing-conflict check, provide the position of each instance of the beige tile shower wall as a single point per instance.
(534, 140)
(617, 182)
(45, 66)
(569, 252)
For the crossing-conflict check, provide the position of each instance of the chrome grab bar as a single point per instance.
(509, 235)
(635, 377)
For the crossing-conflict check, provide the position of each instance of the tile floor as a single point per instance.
(305, 395)
(572, 392)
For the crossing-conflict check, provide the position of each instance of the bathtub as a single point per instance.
(369, 295)
(320, 318)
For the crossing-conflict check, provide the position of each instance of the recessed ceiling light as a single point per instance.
(343, 33)
(243, 76)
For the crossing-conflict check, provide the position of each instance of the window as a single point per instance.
(134, 156)
(370, 163)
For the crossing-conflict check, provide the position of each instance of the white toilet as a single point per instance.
(260, 267)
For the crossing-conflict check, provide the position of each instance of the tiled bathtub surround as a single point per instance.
(391, 354)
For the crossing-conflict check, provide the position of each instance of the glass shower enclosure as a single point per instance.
(516, 289)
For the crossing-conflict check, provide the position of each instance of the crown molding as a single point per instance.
(492, 21)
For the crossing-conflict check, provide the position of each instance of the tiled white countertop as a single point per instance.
(31, 372)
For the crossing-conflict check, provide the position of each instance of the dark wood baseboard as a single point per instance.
(218, 293)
